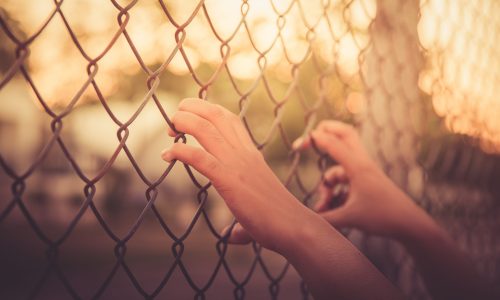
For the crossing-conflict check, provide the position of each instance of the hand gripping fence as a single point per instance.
(419, 79)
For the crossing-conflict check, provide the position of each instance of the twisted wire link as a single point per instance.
(374, 64)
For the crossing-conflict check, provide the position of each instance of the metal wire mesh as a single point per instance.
(418, 78)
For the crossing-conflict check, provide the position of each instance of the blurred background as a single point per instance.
(87, 89)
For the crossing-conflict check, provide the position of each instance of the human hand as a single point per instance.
(238, 171)
(266, 211)
(373, 203)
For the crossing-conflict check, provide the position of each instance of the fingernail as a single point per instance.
(297, 143)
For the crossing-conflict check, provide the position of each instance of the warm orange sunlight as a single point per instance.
(463, 87)
(60, 69)
(249, 149)
(463, 65)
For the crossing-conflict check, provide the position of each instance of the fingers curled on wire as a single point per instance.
(238, 236)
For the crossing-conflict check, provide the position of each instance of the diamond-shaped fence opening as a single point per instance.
(88, 209)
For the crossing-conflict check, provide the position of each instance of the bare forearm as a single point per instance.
(446, 271)
(333, 268)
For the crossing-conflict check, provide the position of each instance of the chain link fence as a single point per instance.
(89, 210)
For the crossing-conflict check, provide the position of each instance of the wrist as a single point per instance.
(408, 221)
(420, 227)
(287, 228)
(305, 235)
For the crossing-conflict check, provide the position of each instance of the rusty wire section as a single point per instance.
(375, 64)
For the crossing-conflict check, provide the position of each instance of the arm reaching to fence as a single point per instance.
(376, 205)
(330, 265)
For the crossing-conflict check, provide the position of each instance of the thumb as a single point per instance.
(339, 217)
(324, 196)
(239, 235)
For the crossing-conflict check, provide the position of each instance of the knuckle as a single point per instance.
(322, 124)
(212, 165)
(346, 130)
(175, 149)
(217, 111)
(183, 104)
(198, 155)
(317, 136)
(203, 125)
